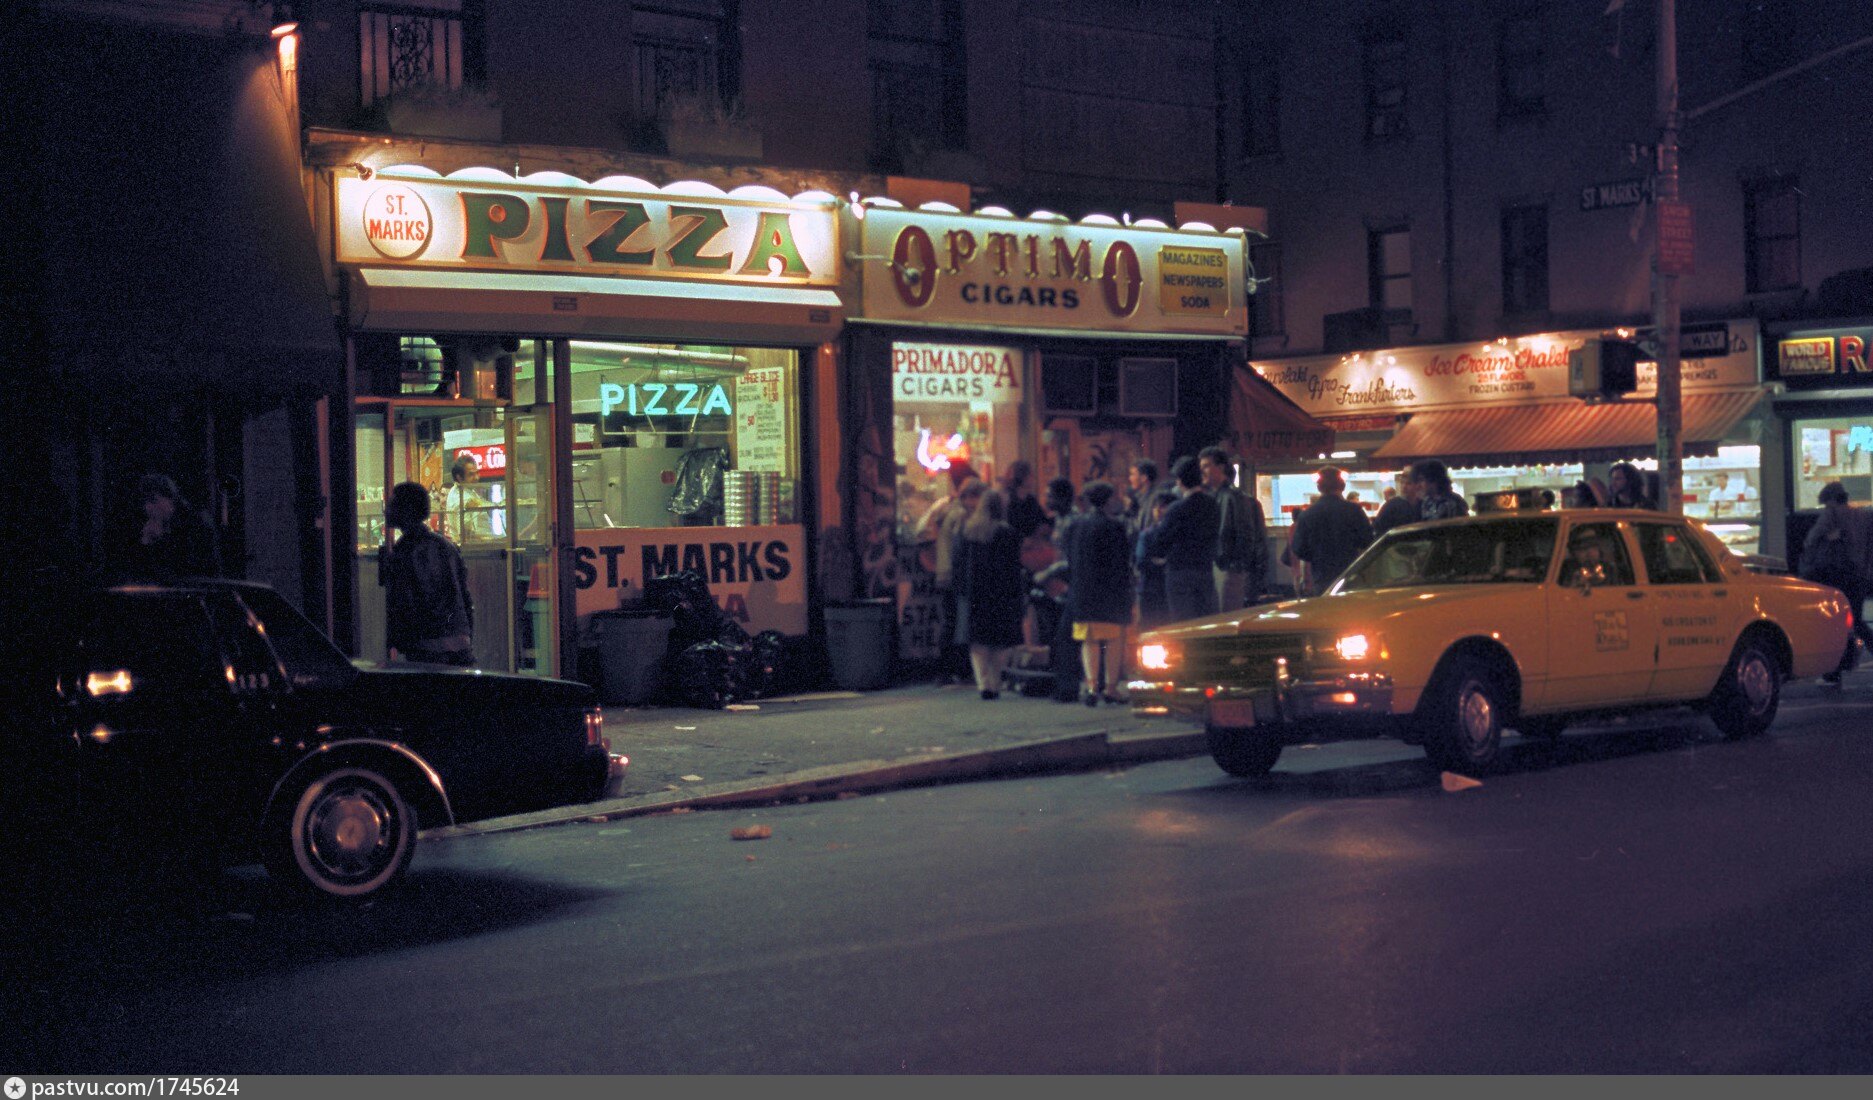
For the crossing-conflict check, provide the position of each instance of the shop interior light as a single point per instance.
(1346, 454)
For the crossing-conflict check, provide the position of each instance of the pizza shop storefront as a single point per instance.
(987, 339)
(598, 383)
(1500, 416)
(1822, 429)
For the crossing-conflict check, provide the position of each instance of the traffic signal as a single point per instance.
(1603, 367)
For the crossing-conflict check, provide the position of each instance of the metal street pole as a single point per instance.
(1665, 303)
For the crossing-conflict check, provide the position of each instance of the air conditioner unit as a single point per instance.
(1148, 387)
(1602, 367)
(1069, 385)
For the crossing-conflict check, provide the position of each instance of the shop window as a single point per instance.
(1525, 259)
(1835, 448)
(1261, 105)
(1772, 235)
(1388, 270)
(954, 405)
(685, 53)
(919, 84)
(679, 435)
(415, 45)
(1521, 66)
(1265, 313)
(1383, 62)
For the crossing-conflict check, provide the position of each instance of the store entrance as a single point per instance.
(488, 470)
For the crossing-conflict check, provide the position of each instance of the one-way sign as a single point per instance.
(1616, 193)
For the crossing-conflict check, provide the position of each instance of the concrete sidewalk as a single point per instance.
(829, 743)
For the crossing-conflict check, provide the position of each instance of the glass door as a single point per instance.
(530, 474)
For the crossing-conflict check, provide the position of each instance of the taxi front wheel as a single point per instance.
(1463, 717)
(1749, 691)
(1244, 752)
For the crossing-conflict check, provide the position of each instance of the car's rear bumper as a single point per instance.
(1354, 704)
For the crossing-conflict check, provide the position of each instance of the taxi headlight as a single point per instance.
(1357, 647)
(1155, 656)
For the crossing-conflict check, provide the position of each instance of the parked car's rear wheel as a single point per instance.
(1747, 694)
(1464, 711)
(346, 834)
(1244, 752)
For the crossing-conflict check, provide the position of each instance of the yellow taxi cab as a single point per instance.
(1446, 633)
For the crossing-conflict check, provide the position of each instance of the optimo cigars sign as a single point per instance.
(972, 271)
(494, 222)
(756, 574)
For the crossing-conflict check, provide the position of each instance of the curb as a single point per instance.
(1056, 754)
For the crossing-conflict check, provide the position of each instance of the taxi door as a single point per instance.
(1697, 619)
(1602, 623)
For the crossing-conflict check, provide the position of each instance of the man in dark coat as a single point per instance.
(1330, 532)
(428, 613)
(1186, 539)
(176, 539)
(1099, 593)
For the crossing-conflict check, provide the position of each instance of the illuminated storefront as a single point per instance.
(1499, 415)
(600, 382)
(1823, 424)
(988, 339)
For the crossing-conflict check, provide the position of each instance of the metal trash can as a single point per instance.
(861, 638)
(631, 647)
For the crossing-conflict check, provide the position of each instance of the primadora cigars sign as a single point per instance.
(502, 224)
(979, 271)
(1719, 355)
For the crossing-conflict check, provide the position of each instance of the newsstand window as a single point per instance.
(952, 404)
(683, 435)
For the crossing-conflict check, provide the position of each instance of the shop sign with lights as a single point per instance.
(1819, 360)
(1506, 371)
(970, 271)
(490, 221)
(955, 373)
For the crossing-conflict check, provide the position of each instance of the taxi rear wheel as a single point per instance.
(1243, 752)
(1749, 691)
(1464, 712)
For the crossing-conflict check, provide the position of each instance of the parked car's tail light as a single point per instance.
(117, 682)
(595, 728)
(1155, 656)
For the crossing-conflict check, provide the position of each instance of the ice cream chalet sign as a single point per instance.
(1721, 355)
(981, 271)
(486, 220)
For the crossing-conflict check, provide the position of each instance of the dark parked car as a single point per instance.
(212, 716)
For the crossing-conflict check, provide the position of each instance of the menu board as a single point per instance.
(761, 421)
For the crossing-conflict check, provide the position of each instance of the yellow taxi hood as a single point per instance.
(1363, 610)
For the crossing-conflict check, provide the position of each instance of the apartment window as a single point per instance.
(1261, 106)
(1525, 259)
(1265, 318)
(1521, 66)
(1383, 63)
(1772, 234)
(421, 44)
(685, 53)
(919, 90)
(1388, 266)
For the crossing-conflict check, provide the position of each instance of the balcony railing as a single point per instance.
(409, 46)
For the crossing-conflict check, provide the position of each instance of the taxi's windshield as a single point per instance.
(1498, 552)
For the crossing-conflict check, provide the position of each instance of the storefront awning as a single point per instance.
(178, 251)
(1267, 428)
(1569, 431)
(404, 300)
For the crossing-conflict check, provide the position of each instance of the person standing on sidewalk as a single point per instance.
(1330, 532)
(1241, 536)
(1436, 499)
(429, 615)
(1186, 539)
(994, 590)
(1400, 509)
(1099, 594)
(943, 525)
(1839, 552)
(176, 539)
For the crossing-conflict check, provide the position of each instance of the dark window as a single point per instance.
(142, 646)
(1388, 267)
(1525, 259)
(1261, 105)
(1772, 235)
(1383, 64)
(1265, 314)
(1770, 37)
(919, 87)
(405, 47)
(1521, 65)
(1672, 556)
(685, 56)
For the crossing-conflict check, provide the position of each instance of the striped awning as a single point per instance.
(1570, 431)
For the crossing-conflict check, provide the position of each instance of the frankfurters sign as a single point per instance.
(494, 222)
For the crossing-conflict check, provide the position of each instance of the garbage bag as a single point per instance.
(708, 675)
(698, 491)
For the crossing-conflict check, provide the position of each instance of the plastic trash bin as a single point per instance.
(860, 637)
(631, 647)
